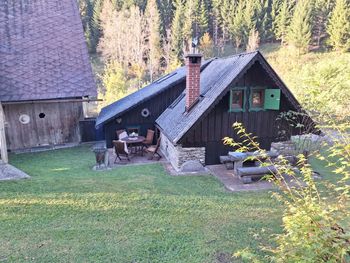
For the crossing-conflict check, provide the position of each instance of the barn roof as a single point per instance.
(129, 102)
(215, 80)
(43, 54)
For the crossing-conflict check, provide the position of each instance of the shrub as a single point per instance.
(315, 224)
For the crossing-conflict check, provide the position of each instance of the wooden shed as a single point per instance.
(45, 73)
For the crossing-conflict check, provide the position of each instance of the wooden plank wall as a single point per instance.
(59, 126)
(157, 105)
(210, 131)
(3, 145)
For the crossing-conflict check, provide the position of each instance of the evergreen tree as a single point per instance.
(237, 25)
(299, 31)
(166, 13)
(203, 18)
(152, 38)
(190, 25)
(282, 21)
(226, 12)
(176, 32)
(265, 23)
(275, 7)
(94, 25)
(339, 26)
(322, 9)
(216, 20)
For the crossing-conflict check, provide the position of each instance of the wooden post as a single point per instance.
(3, 146)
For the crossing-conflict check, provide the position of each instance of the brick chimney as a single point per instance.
(193, 79)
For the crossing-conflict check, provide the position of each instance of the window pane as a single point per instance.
(237, 99)
(257, 98)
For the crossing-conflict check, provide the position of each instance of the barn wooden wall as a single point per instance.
(210, 131)
(60, 124)
(3, 145)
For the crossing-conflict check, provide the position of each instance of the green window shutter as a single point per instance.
(272, 99)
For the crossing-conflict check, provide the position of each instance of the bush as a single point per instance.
(315, 225)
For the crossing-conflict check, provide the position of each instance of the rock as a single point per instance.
(9, 172)
(192, 167)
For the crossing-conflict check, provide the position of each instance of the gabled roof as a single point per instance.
(215, 80)
(131, 101)
(43, 54)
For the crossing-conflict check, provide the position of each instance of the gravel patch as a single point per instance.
(9, 172)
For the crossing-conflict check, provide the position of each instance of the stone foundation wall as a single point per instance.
(286, 148)
(177, 155)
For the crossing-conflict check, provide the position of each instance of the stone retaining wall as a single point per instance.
(177, 155)
(286, 148)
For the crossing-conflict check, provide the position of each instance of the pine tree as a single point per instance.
(265, 24)
(226, 12)
(299, 31)
(166, 13)
(176, 32)
(237, 25)
(216, 20)
(203, 20)
(282, 21)
(322, 10)
(339, 26)
(275, 7)
(190, 25)
(152, 38)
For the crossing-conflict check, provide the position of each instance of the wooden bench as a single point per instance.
(226, 160)
(246, 174)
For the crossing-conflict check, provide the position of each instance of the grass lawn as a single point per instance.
(68, 213)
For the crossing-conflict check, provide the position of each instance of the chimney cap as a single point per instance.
(193, 55)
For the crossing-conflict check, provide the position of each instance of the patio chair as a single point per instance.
(121, 149)
(149, 139)
(153, 150)
(121, 134)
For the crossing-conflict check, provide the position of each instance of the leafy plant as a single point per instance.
(315, 223)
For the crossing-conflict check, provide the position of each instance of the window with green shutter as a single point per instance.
(256, 99)
(272, 99)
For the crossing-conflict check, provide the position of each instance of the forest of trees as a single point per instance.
(139, 40)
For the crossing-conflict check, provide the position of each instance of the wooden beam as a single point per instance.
(3, 146)
(49, 101)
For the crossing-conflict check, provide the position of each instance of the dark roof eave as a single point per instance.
(135, 105)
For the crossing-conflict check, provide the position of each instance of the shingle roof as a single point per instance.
(43, 54)
(129, 102)
(214, 80)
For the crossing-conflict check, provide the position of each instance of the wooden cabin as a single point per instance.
(45, 73)
(139, 110)
(196, 106)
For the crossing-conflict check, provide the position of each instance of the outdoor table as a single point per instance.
(238, 158)
(134, 142)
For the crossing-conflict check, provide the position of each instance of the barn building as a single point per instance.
(45, 74)
(194, 107)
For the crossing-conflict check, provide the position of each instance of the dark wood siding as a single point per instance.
(133, 117)
(87, 130)
(60, 124)
(217, 124)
